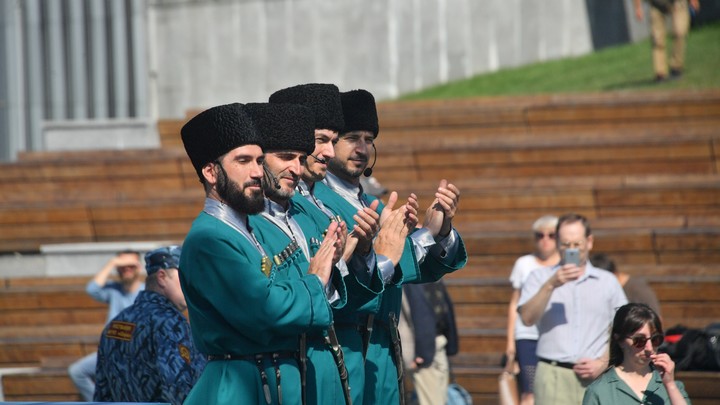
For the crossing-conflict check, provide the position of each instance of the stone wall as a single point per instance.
(211, 52)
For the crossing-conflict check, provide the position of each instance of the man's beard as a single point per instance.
(340, 169)
(234, 196)
(312, 175)
(270, 186)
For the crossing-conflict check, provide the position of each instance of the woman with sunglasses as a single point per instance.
(637, 372)
(522, 339)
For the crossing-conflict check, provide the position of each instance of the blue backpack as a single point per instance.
(457, 395)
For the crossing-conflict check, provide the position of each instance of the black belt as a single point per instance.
(388, 326)
(358, 327)
(258, 359)
(251, 357)
(557, 363)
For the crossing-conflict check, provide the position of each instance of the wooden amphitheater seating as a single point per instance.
(167, 214)
(35, 341)
(576, 111)
(643, 167)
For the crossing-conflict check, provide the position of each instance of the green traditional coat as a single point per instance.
(381, 385)
(236, 309)
(323, 384)
(363, 298)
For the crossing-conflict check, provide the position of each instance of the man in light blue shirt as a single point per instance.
(118, 295)
(573, 305)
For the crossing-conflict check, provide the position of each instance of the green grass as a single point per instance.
(626, 67)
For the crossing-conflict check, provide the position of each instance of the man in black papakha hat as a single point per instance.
(294, 238)
(245, 316)
(363, 280)
(430, 252)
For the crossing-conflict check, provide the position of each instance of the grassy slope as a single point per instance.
(626, 67)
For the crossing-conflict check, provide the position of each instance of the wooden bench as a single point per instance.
(36, 307)
(24, 229)
(639, 158)
(30, 351)
(44, 386)
(41, 282)
(94, 176)
(477, 268)
(165, 217)
(658, 246)
(544, 110)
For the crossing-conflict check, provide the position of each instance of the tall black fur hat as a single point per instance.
(215, 132)
(284, 126)
(322, 99)
(359, 112)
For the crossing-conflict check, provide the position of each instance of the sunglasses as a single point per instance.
(540, 235)
(639, 341)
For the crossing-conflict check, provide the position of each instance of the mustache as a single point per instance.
(362, 158)
(319, 159)
(252, 183)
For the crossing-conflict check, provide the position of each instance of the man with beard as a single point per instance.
(293, 238)
(362, 282)
(246, 314)
(430, 252)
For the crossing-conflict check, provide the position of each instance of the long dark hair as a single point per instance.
(628, 319)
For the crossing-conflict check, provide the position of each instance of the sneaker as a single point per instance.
(675, 74)
(660, 78)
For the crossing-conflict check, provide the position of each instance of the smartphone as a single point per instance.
(572, 256)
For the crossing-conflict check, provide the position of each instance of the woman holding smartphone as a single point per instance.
(637, 372)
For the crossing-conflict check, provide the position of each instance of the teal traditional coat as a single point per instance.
(363, 298)
(323, 384)
(236, 309)
(381, 385)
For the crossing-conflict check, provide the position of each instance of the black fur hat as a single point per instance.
(359, 111)
(322, 99)
(284, 126)
(215, 132)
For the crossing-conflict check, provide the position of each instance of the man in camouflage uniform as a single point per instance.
(146, 352)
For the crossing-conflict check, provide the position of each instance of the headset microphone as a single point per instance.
(368, 171)
(321, 160)
(275, 181)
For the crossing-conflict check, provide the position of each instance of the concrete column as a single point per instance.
(55, 41)
(35, 77)
(119, 82)
(12, 111)
(138, 24)
(78, 56)
(98, 49)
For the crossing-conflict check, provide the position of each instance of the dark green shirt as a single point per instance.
(609, 388)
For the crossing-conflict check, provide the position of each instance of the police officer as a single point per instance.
(146, 352)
